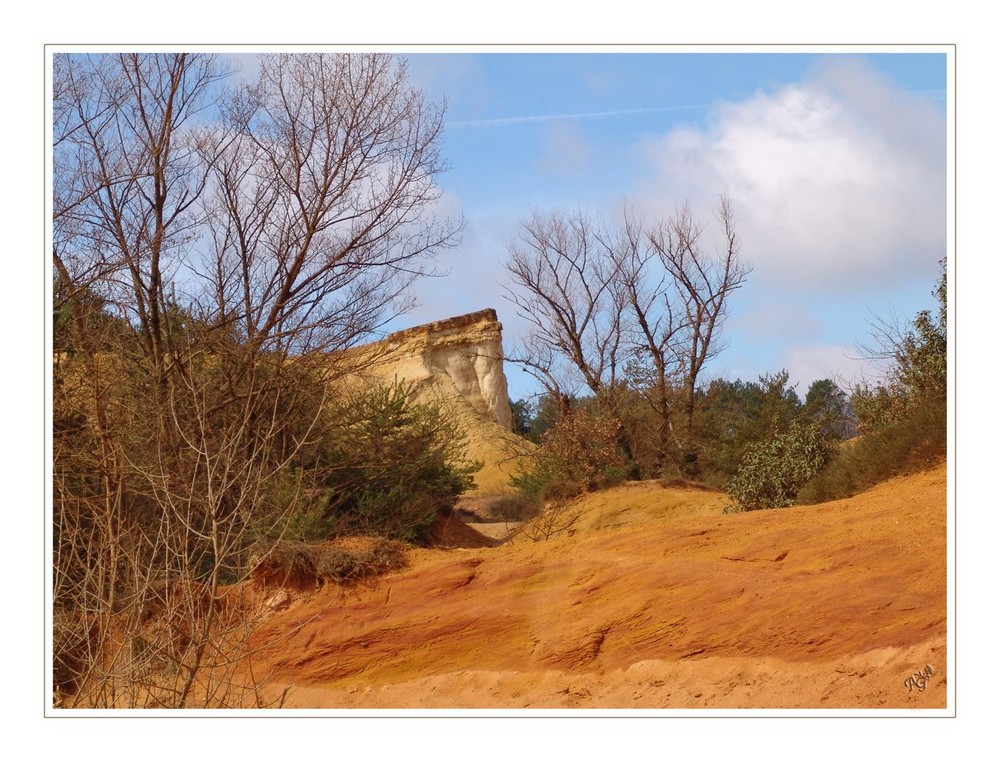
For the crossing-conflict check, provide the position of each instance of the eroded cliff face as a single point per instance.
(464, 352)
(458, 363)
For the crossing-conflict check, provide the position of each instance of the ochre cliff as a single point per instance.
(461, 354)
(458, 363)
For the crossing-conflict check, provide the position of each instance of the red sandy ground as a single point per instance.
(654, 600)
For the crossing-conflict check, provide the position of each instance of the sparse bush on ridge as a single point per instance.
(305, 563)
(904, 420)
(579, 453)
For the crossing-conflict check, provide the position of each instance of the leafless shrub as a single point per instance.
(556, 519)
(517, 507)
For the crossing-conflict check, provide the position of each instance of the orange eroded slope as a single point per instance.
(657, 599)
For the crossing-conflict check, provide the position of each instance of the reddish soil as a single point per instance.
(652, 599)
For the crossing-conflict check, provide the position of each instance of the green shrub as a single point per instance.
(918, 375)
(772, 471)
(906, 446)
(299, 501)
(903, 420)
(390, 465)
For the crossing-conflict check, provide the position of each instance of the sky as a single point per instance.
(835, 164)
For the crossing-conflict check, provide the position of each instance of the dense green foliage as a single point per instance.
(392, 464)
(776, 442)
(731, 417)
(906, 446)
(736, 414)
(773, 471)
(384, 465)
(533, 417)
(757, 439)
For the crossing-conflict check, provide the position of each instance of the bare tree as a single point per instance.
(126, 181)
(129, 176)
(320, 201)
(564, 286)
(697, 302)
(648, 324)
(211, 251)
(633, 302)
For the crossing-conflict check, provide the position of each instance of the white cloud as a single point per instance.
(834, 180)
(812, 362)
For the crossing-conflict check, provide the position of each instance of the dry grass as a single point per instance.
(301, 564)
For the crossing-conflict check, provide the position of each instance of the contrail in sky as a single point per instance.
(508, 120)
(514, 120)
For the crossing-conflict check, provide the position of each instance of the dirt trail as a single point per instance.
(654, 600)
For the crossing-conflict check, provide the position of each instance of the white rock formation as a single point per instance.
(458, 362)
(466, 351)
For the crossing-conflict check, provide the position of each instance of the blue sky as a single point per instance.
(836, 165)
